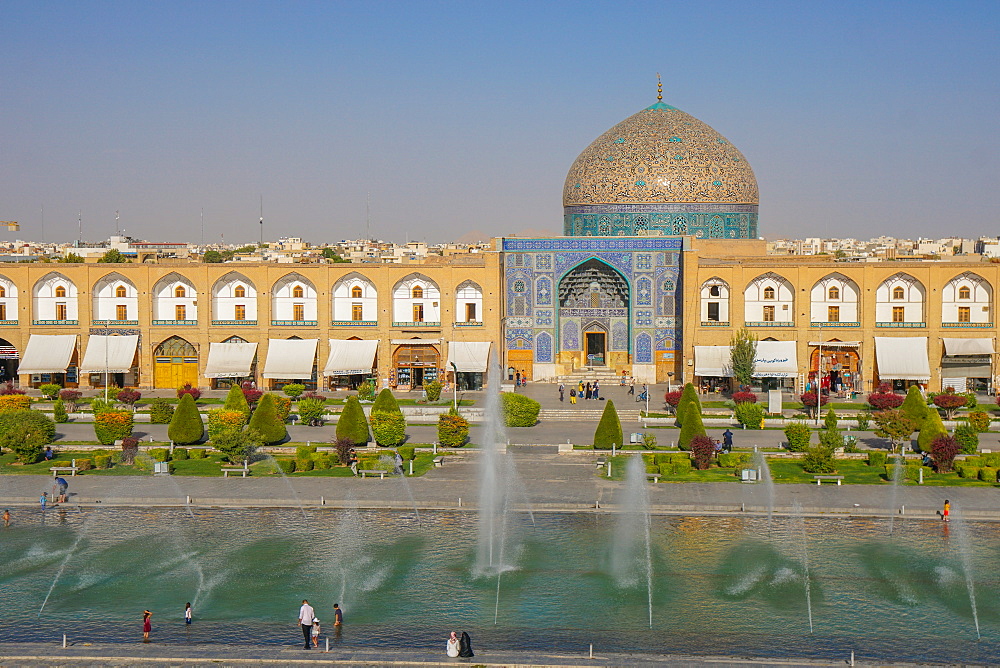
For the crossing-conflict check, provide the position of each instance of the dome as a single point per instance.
(661, 169)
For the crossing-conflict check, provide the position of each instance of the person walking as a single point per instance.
(631, 385)
(562, 391)
(43, 499)
(946, 511)
(187, 613)
(727, 440)
(315, 632)
(352, 462)
(572, 396)
(147, 625)
(579, 390)
(517, 379)
(597, 388)
(338, 615)
(624, 378)
(306, 615)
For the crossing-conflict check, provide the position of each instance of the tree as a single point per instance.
(237, 401)
(186, 426)
(968, 439)
(312, 411)
(26, 442)
(293, 390)
(129, 397)
(59, 413)
(915, 406)
(212, 257)
(742, 352)
(688, 396)
(265, 421)
(894, 425)
(931, 428)
(113, 256)
(385, 403)
(71, 397)
(943, 451)
(949, 402)
(830, 421)
(810, 399)
(672, 398)
(353, 425)
(236, 444)
(609, 429)
(71, 258)
(884, 399)
(388, 429)
(331, 254)
(691, 426)
(453, 429)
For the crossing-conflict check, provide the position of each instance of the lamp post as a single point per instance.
(107, 372)
(454, 373)
(819, 371)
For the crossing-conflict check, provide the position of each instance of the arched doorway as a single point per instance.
(9, 357)
(841, 365)
(414, 365)
(593, 305)
(175, 364)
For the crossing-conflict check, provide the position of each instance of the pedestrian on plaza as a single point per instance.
(43, 499)
(597, 388)
(572, 396)
(306, 616)
(946, 511)
(562, 390)
(452, 648)
(315, 631)
(517, 379)
(338, 615)
(727, 440)
(187, 613)
(588, 392)
(147, 625)
(352, 462)
(60, 486)
(624, 378)
(524, 378)
(631, 385)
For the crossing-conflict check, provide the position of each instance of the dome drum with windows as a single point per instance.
(661, 171)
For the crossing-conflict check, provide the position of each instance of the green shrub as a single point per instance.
(931, 428)
(388, 429)
(750, 415)
(677, 467)
(980, 421)
(830, 420)
(305, 464)
(661, 458)
(323, 461)
(366, 391)
(238, 445)
(312, 412)
(453, 430)
(863, 420)
(798, 436)
(915, 407)
(286, 465)
(519, 410)
(819, 458)
(237, 401)
(102, 461)
(161, 411)
(98, 405)
(609, 429)
(305, 451)
(186, 426)
(969, 472)
(992, 459)
(113, 425)
(59, 413)
(968, 438)
(293, 390)
(159, 454)
(282, 406)
(179, 454)
(223, 418)
(988, 474)
(877, 459)
(112, 392)
(198, 453)
(728, 460)
(84, 464)
(691, 426)
(385, 403)
(433, 390)
(649, 441)
(60, 462)
(688, 396)
(353, 425)
(50, 390)
(974, 461)
(265, 421)
(407, 452)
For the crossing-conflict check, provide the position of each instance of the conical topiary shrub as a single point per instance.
(609, 429)
(915, 407)
(385, 403)
(237, 401)
(691, 426)
(688, 396)
(353, 425)
(931, 428)
(265, 421)
(186, 426)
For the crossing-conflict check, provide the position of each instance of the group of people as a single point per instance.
(60, 489)
(147, 620)
(520, 379)
(310, 623)
(459, 646)
(580, 390)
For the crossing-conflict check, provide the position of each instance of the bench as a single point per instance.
(56, 470)
(242, 470)
(655, 477)
(820, 478)
(438, 461)
(381, 474)
(601, 461)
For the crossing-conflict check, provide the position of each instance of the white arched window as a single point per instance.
(715, 300)
(834, 298)
(175, 298)
(8, 300)
(899, 299)
(469, 302)
(115, 299)
(768, 298)
(54, 298)
(293, 299)
(967, 299)
(234, 298)
(406, 307)
(355, 299)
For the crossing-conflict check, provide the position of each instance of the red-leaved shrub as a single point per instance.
(672, 398)
(702, 452)
(943, 451)
(809, 399)
(949, 401)
(744, 398)
(251, 393)
(129, 397)
(187, 389)
(882, 401)
(8, 388)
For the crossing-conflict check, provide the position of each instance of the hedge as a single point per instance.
(180, 454)
(113, 425)
(798, 436)
(453, 430)
(877, 459)
(14, 402)
(388, 429)
(353, 425)
(519, 410)
(159, 454)
(161, 411)
(407, 452)
(385, 402)
(609, 429)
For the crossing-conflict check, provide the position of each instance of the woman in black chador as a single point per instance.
(465, 645)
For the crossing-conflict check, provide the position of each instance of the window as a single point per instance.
(713, 311)
(898, 292)
(899, 314)
(297, 292)
(418, 292)
(3, 311)
(298, 312)
(357, 313)
(240, 312)
(60, 291)
(61, 311)
(833, 293)
(240, 291)
(768, 314)
(714, 291)
(180, 311)
(179, 291)
(121, 312)
(356, 292)
(121, 292)
(418, 313)
(964, 314)
(963, 292)
(3, 291)
(833, 314)
(768, 293)
(470, 312)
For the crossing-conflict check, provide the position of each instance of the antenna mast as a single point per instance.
(262, 224)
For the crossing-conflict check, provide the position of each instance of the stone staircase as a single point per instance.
(583, 414)
(606, 376)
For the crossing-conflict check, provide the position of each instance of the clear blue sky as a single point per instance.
(859, 118)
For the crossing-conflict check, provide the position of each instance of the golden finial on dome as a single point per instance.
(659, 88)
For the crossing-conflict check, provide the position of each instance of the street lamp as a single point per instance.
(819, 371)
(454, 374)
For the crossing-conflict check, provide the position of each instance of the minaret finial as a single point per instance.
(659, 88)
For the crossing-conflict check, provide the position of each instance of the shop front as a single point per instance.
(713, 369)
(415, 362)
(776, 366)
(838, 368)
(231, 363)
(350, 363)
(51, 358)
(291, 361)
(467, 363)
(112, 360)
(901, 361)
(967, 365)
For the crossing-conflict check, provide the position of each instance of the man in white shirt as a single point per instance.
(306, 614)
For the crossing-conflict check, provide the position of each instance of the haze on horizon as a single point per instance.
(460, 119)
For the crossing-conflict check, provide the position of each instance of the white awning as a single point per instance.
(48, 353)
(776, 359)
(350, 358)
(290, 358)
(230, 360)
(968, 347)
(469, 356)
(902, 358)
(836, 344)
(712, 361)
(109, 354)
(415, 342)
